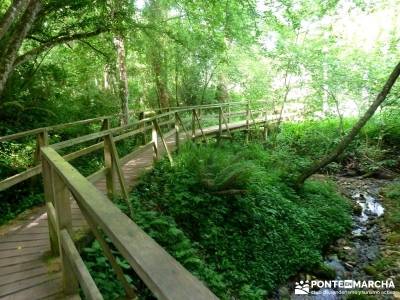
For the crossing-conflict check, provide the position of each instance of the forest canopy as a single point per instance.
(68, 60)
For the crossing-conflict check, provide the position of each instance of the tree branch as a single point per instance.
(53, 42)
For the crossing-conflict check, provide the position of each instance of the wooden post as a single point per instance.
(116, 165)
(169, 126)
(219, 123)
(226, 124)
(158, 129)
(193, 124)
(199, 124)
(42, 140)
(265, 134)
(177, 141)
(229, 112)
(154, 139)
(105, 124)
(183, 126)
(48, 195)
(142, 125)
(130, 292)
(62, 201)
(247, 121)
(111, 175)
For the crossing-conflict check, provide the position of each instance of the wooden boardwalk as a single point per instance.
(26, 271)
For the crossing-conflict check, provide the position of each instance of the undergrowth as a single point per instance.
(228, 215)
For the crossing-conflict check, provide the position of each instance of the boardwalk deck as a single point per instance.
(26, 272)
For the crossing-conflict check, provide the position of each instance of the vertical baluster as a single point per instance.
(193, 124)
(177, 141)
(62, 201)
(111, 175)
(220, 123)
(48, 195)
(154, 139)
(105, 125)
(265, 134)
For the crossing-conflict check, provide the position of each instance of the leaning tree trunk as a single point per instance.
(16, 7)
(20, 32)
(354, 131)
(122, 78)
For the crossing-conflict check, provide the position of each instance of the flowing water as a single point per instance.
(349, 256)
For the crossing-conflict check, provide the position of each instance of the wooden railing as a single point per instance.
(42, 136)
(161, 273)
(42, 140)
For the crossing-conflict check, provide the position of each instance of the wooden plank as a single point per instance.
(100, 174)
(10, 261)
(7, 271)
(22, 252)
(81, 139)
(22, 134)
(84, 151)
(42, 289)
(136, 153)
(25, 274)
(80, 122)
(131, 133)
(26, 244)
(17, 178)
(164, 276)
(78, 267)
(22, 237)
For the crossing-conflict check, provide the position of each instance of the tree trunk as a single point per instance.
(221, 94)
(354, 131)
(22, 29)
(122, 78)
(16, 7)
(160, 75)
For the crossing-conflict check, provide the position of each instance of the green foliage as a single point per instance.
(227, 214)
(249, 225)
(17, 201)
(105, 276)
(374, 148)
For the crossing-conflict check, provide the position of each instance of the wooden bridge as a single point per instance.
(38, 255)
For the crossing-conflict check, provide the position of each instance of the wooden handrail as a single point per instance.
(162, 274)
(119, 133)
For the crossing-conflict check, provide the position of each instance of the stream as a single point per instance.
(349, 256)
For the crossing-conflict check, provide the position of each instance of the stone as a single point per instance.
(284, 293)
(348, 266)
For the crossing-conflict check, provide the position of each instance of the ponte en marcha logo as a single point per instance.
(314, 286)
